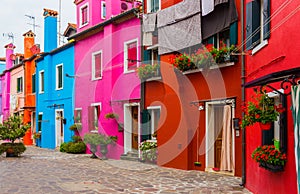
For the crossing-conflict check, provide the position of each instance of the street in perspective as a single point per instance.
(48, 171)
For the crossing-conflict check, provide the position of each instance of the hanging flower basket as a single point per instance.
(271, 167)
(265, 126)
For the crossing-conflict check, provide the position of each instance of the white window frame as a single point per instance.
(62, 77)
(80, 15)
(126, 55)
(152, 108)
(94, 67)
(22, 88)
(40, 82)
(100, 107)
(263, 42)
(103, 5)
(149, 6)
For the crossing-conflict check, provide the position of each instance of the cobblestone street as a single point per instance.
(47, 171)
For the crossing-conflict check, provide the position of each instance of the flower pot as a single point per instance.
(266, 126)
(271, 167)
(93, 149)
(103, 150)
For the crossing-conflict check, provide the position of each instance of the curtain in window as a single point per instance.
(296, 116)
(149, 24)
(132, 55)
(98, 65)
(91, 118)
(226, 152)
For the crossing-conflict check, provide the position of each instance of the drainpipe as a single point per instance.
(243, 97)
(142, 101)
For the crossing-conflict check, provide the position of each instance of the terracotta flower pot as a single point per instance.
(266, 126)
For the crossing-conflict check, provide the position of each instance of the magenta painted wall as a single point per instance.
(114, 85)
(5, 84)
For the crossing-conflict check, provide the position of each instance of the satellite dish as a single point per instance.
(12, 57)
(124, 6)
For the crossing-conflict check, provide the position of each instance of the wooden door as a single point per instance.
(135, 127)
(218, 149)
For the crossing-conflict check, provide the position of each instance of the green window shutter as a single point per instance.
(147, 56)
(252, 24)
(59, 76)
(33, 83)
(210, 40)
(266, 13)
(18, 84)
(146, 130)
(233, 33)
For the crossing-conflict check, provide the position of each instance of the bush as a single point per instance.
(73, 147)
(17, 148)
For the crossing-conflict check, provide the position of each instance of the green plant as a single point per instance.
(111, 116)
(262, 109)
(36, 135)
(73, 147)
(107, 139)
(146, 71)
(16, 148)
(149, 150)
(268, 154)
(13, 128)
(92, 138)
(182, 62)
(76, 126)
(221, 54)
(76, 138)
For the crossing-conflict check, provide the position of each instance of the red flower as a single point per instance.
(257, 116)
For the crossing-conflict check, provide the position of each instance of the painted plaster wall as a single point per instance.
(280, 46)
(19, 96)
(52, 96)
(114, 84)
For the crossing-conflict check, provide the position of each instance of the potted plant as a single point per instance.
(147, 71)
(76, 146)
(106, 140)
(36, 135)
(75, 126)
(94, 140)
(182, 62)
(149, 151)
(269, 158)
(12, 129)
(111, 116)
(261, 110)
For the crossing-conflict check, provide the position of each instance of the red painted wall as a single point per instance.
(282, 52)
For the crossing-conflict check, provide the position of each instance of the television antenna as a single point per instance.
(32, 18)
(10, 35)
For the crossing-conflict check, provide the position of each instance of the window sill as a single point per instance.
(59, 88)
(127, 72)
(96, 79)
(221, 65)
(83, 25)
(259, 47)
(153, 78)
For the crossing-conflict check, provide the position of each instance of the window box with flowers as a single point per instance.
(269, 158)
(261, 110)
(149, 151)
(147, 71)
(204, 57)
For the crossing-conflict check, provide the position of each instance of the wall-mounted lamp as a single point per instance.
(236, 123)
(201, 107)
(71, 76)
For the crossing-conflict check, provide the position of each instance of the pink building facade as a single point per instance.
(107, 54)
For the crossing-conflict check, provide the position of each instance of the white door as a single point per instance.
(59, 127)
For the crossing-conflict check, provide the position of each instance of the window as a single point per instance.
(84, 14)
(130, 55)
(40, 120)
(93, 116)
(78, 115)
(33, 83)
(19, 84)
(277, 129)
(154, 119)
(41, 82)
(97, 65)
(103, 10)
(59, 77)
(153, 6)
(257, 24)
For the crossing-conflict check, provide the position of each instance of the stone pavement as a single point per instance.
(48, 171)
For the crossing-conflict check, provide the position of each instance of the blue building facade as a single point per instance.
(54, 99)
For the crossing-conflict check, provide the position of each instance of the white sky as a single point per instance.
(13, 20)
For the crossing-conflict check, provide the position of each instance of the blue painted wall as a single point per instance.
(52, 99)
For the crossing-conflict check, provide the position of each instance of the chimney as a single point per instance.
(50, 30)
(28, 43)
(10, 57)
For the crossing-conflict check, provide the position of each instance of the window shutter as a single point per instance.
(210, 40)
(147, 56)
(33, 83)
(266, 13)
(233, 33)
(146, 130)
(59, 76)
(98, 65)
(91, 118)
(252, 24)
(40, 118)
(132, 55)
